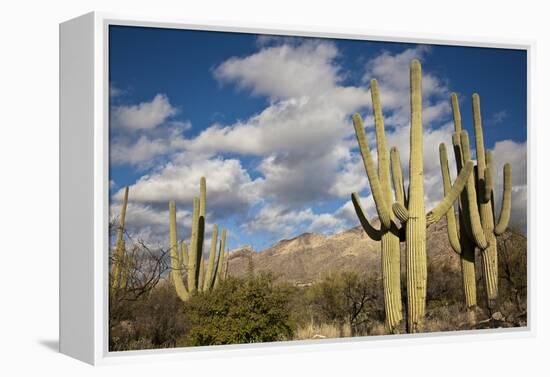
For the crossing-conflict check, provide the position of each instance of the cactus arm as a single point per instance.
(200, 238)
(452, 231)
(376, 188)
(226, 269)
(181, 291)
(456, 113)
(397, 175)
(487, 182)
(445, 205)
(400, 212)
(211, 258)
(184, 254)
(381, 145)
(201, 276)
(221, 254)
(478, 234)
(193, 257)
(372, 232)
(504, 217)
(478, 133)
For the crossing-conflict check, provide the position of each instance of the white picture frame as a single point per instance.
(84, 191)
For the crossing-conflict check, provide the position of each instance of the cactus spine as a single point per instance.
(120, 248)
(414, 216)
(380, 185)
(199, 277)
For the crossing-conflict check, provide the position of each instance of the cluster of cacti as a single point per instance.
(119, 272)
(190, 259)
(476, 209)
(409, 210)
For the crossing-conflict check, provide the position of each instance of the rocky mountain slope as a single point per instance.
(308, 257)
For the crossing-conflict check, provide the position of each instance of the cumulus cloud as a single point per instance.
(230, 188)
(508, 151)
(284, 71)
(286, 222)
(142, 148)
(145, 115)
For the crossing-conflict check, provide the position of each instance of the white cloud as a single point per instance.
(229, 187)
(286, 222)
(146, 115)
(508, 151)
(284, 71)
(141, 148)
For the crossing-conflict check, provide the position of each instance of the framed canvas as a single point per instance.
(240, 189)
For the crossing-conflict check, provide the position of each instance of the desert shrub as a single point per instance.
(241, 311)
(513, 272)
(156, 320)
(342, 299)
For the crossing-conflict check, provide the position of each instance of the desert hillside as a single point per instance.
(307, 258)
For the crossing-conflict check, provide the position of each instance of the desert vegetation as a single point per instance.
(179, 297)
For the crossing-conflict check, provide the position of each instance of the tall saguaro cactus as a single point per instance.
(476, 209)
(486, 205)
(380, 185)
(414, 216)
(200, 277)
(409, 210)
(468, 234)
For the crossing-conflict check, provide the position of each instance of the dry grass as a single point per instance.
(322, 331)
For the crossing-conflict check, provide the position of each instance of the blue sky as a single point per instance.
(268, 121)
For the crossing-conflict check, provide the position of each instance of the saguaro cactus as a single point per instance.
(476, 209)
(199, 277)
(467, 234)
(485, 205)
(119, 244)
(414, 216)
(380, 185)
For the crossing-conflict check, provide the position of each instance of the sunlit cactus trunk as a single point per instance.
(416, 223)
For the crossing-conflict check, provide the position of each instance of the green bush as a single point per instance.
(241, 311)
